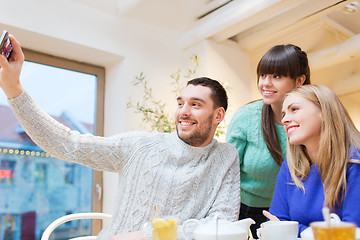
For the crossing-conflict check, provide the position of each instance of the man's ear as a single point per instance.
(300, 80)
(219, 115)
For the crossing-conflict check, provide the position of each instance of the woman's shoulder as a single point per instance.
(284, 172)
(246, 117)
(354, 156)
(354, 163)
(250, 108)
(255, 105)
(285, 165)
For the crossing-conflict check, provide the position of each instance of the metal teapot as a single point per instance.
(218, 229)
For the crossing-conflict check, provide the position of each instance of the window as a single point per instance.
(40, 173)
(9, 232)
(7, 171)
(65, 187)
(69, 173)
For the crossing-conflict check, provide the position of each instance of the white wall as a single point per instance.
(228, 64)
(125, 48)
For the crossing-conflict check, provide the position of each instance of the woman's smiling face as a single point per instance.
(302, 121)
(274, 87)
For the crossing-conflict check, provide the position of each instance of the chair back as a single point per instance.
(71, 217)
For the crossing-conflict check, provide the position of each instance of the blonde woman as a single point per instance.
(322, 167)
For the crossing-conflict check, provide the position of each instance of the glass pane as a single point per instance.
(36, 188)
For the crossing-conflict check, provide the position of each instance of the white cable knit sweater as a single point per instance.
(154, 168)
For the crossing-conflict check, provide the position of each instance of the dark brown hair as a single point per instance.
(283, 60)
(218, 92)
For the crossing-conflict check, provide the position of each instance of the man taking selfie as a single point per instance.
(186, 173)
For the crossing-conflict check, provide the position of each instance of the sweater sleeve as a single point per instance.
(350, 209)
(280, 202)
(237, 133)
(63, 143)
(279, 205)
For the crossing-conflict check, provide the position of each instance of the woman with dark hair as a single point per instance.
(257, 132)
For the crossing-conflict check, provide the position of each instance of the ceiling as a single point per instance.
(330, 35)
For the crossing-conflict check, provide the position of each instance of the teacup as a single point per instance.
(275, 230)
(333, 231)
(164, 228)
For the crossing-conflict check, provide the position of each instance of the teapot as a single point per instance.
(218, 229)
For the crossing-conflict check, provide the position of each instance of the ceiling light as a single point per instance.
(352, 7)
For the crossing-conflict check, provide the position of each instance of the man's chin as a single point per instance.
(183, 136)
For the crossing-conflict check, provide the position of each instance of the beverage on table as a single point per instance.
(164, 228)
(333, 231)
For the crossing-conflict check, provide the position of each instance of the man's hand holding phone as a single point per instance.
(10, 66)
(5, 45)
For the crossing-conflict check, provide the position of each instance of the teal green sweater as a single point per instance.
(258, 170)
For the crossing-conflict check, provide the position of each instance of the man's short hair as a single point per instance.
(218, 92)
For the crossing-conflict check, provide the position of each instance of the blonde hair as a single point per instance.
(338, 135)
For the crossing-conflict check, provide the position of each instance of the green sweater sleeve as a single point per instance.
(237, 132)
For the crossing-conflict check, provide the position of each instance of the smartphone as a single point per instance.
(5, 45)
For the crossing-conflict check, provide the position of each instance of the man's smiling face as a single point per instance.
(195, 123)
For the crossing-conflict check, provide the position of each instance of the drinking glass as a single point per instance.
(162, 228)
(333, 231)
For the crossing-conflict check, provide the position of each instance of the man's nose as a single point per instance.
(185, 110)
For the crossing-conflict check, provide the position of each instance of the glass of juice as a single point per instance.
(163, 228)
(333, 231)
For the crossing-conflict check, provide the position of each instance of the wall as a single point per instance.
(125, 48)
(231, 66)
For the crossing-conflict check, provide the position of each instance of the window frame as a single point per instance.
(46, 59)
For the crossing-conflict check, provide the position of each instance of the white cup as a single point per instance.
(275, 230)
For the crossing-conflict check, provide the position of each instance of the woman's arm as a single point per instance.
(279, 204)
(350, 208)
(236, 133)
